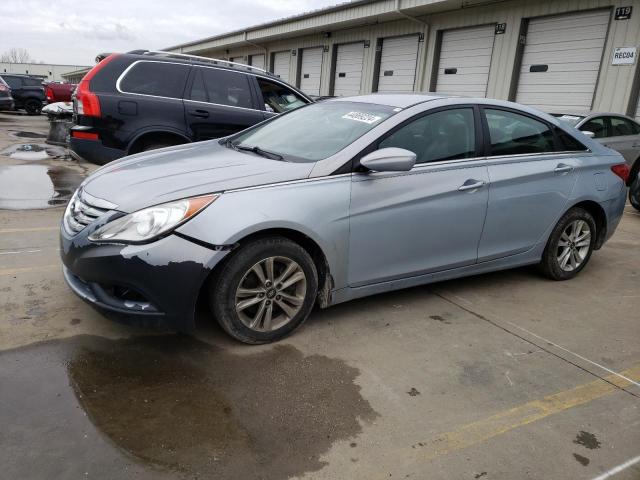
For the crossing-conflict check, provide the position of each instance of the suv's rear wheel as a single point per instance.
(570, 245)
(265, 290)
(33, 106)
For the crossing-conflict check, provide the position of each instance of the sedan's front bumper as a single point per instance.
(156, 284)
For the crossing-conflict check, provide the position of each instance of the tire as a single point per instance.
(32, 106)
(238, 281)
(562, 245)
(634, 194)
(155, 146)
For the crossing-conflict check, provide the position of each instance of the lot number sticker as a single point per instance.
(361, 117)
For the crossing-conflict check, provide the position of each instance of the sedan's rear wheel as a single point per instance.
(570, 245)
(634, 194)
(265, 290)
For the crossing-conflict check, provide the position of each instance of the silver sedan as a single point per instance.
(618, 132)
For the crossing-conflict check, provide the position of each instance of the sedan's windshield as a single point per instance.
(571, 120)
(315, 132)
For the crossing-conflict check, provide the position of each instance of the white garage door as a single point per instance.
(465, 58)
(398, 64)
(638, 109)
(311, 70)
(237, 59)
(257, 61)
(281, 63)
(348, 69)
(561, 61)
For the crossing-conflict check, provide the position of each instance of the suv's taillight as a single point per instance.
(622, 170)
(87, 101)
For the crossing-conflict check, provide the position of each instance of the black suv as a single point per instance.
(27, 92)
(142, 100)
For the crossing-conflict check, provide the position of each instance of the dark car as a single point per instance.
(6, 100)
(27, 92)
(143, 100)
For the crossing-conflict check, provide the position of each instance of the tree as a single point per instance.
(16, 55)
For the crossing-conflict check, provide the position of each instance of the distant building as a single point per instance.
(75, 76)
(46, 71)
(556, 55)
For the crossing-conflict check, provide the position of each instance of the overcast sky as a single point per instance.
(73, 32)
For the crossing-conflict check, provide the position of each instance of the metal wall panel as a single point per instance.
(398, 63)
(348, 69)
(465, 61)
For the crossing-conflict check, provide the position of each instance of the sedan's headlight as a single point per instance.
(150, 223)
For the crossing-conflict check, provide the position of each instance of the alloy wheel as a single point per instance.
(270, 294)
(574, 245)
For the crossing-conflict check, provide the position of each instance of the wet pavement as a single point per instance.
(501, 376)
(34, 175)
(176, 404)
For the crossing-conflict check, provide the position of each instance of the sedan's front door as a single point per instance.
(530, 183)
(430, 219)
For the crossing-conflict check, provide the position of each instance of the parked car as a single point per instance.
(338, 200)
(27, 92)
(612, 130)
(6, 100)
(139, 101)
(59, 92)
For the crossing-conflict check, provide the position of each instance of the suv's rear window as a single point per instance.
(32, 82)
(156, 78)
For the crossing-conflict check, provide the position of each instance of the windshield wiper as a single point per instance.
(258, 151)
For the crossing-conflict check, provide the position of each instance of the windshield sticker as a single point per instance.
(361, 117)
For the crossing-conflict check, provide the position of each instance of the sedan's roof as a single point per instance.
(401, 100)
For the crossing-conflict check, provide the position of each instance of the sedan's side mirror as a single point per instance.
(588, 133)
(389, 159)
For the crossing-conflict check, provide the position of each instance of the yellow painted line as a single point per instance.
(31, 229)
(16, 271)
(502, 422)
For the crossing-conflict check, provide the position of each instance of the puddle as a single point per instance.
(23, 134)
(34, 151)
(24, 187)
(175, 404)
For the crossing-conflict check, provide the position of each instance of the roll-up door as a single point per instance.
(465, 59)
(257, 61)
(237, 59)
(348, 74)
(638, 109)
(311, 69)
(561, 61)
(398, 61)
(281, 64)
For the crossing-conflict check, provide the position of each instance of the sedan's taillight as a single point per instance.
(622, 170)
(87, 101)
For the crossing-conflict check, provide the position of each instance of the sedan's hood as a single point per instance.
(172, 173)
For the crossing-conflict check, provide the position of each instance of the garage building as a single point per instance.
(554, 55)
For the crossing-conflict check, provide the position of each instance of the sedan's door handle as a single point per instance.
(471, 185)
(563, 168)
(199, 113)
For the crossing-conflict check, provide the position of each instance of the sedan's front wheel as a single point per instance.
(570, 245)
(265, 290)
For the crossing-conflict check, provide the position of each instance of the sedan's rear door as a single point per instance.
(219, 102)
(624, 137)
(531, 181)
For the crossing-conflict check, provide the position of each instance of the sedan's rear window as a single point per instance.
(156, 78)
(317, 131)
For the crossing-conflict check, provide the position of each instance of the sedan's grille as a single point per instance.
(83, 210)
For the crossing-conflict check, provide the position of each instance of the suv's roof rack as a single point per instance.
(197, 58)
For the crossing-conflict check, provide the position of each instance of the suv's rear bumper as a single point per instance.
(93, 151)
(6, 103)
